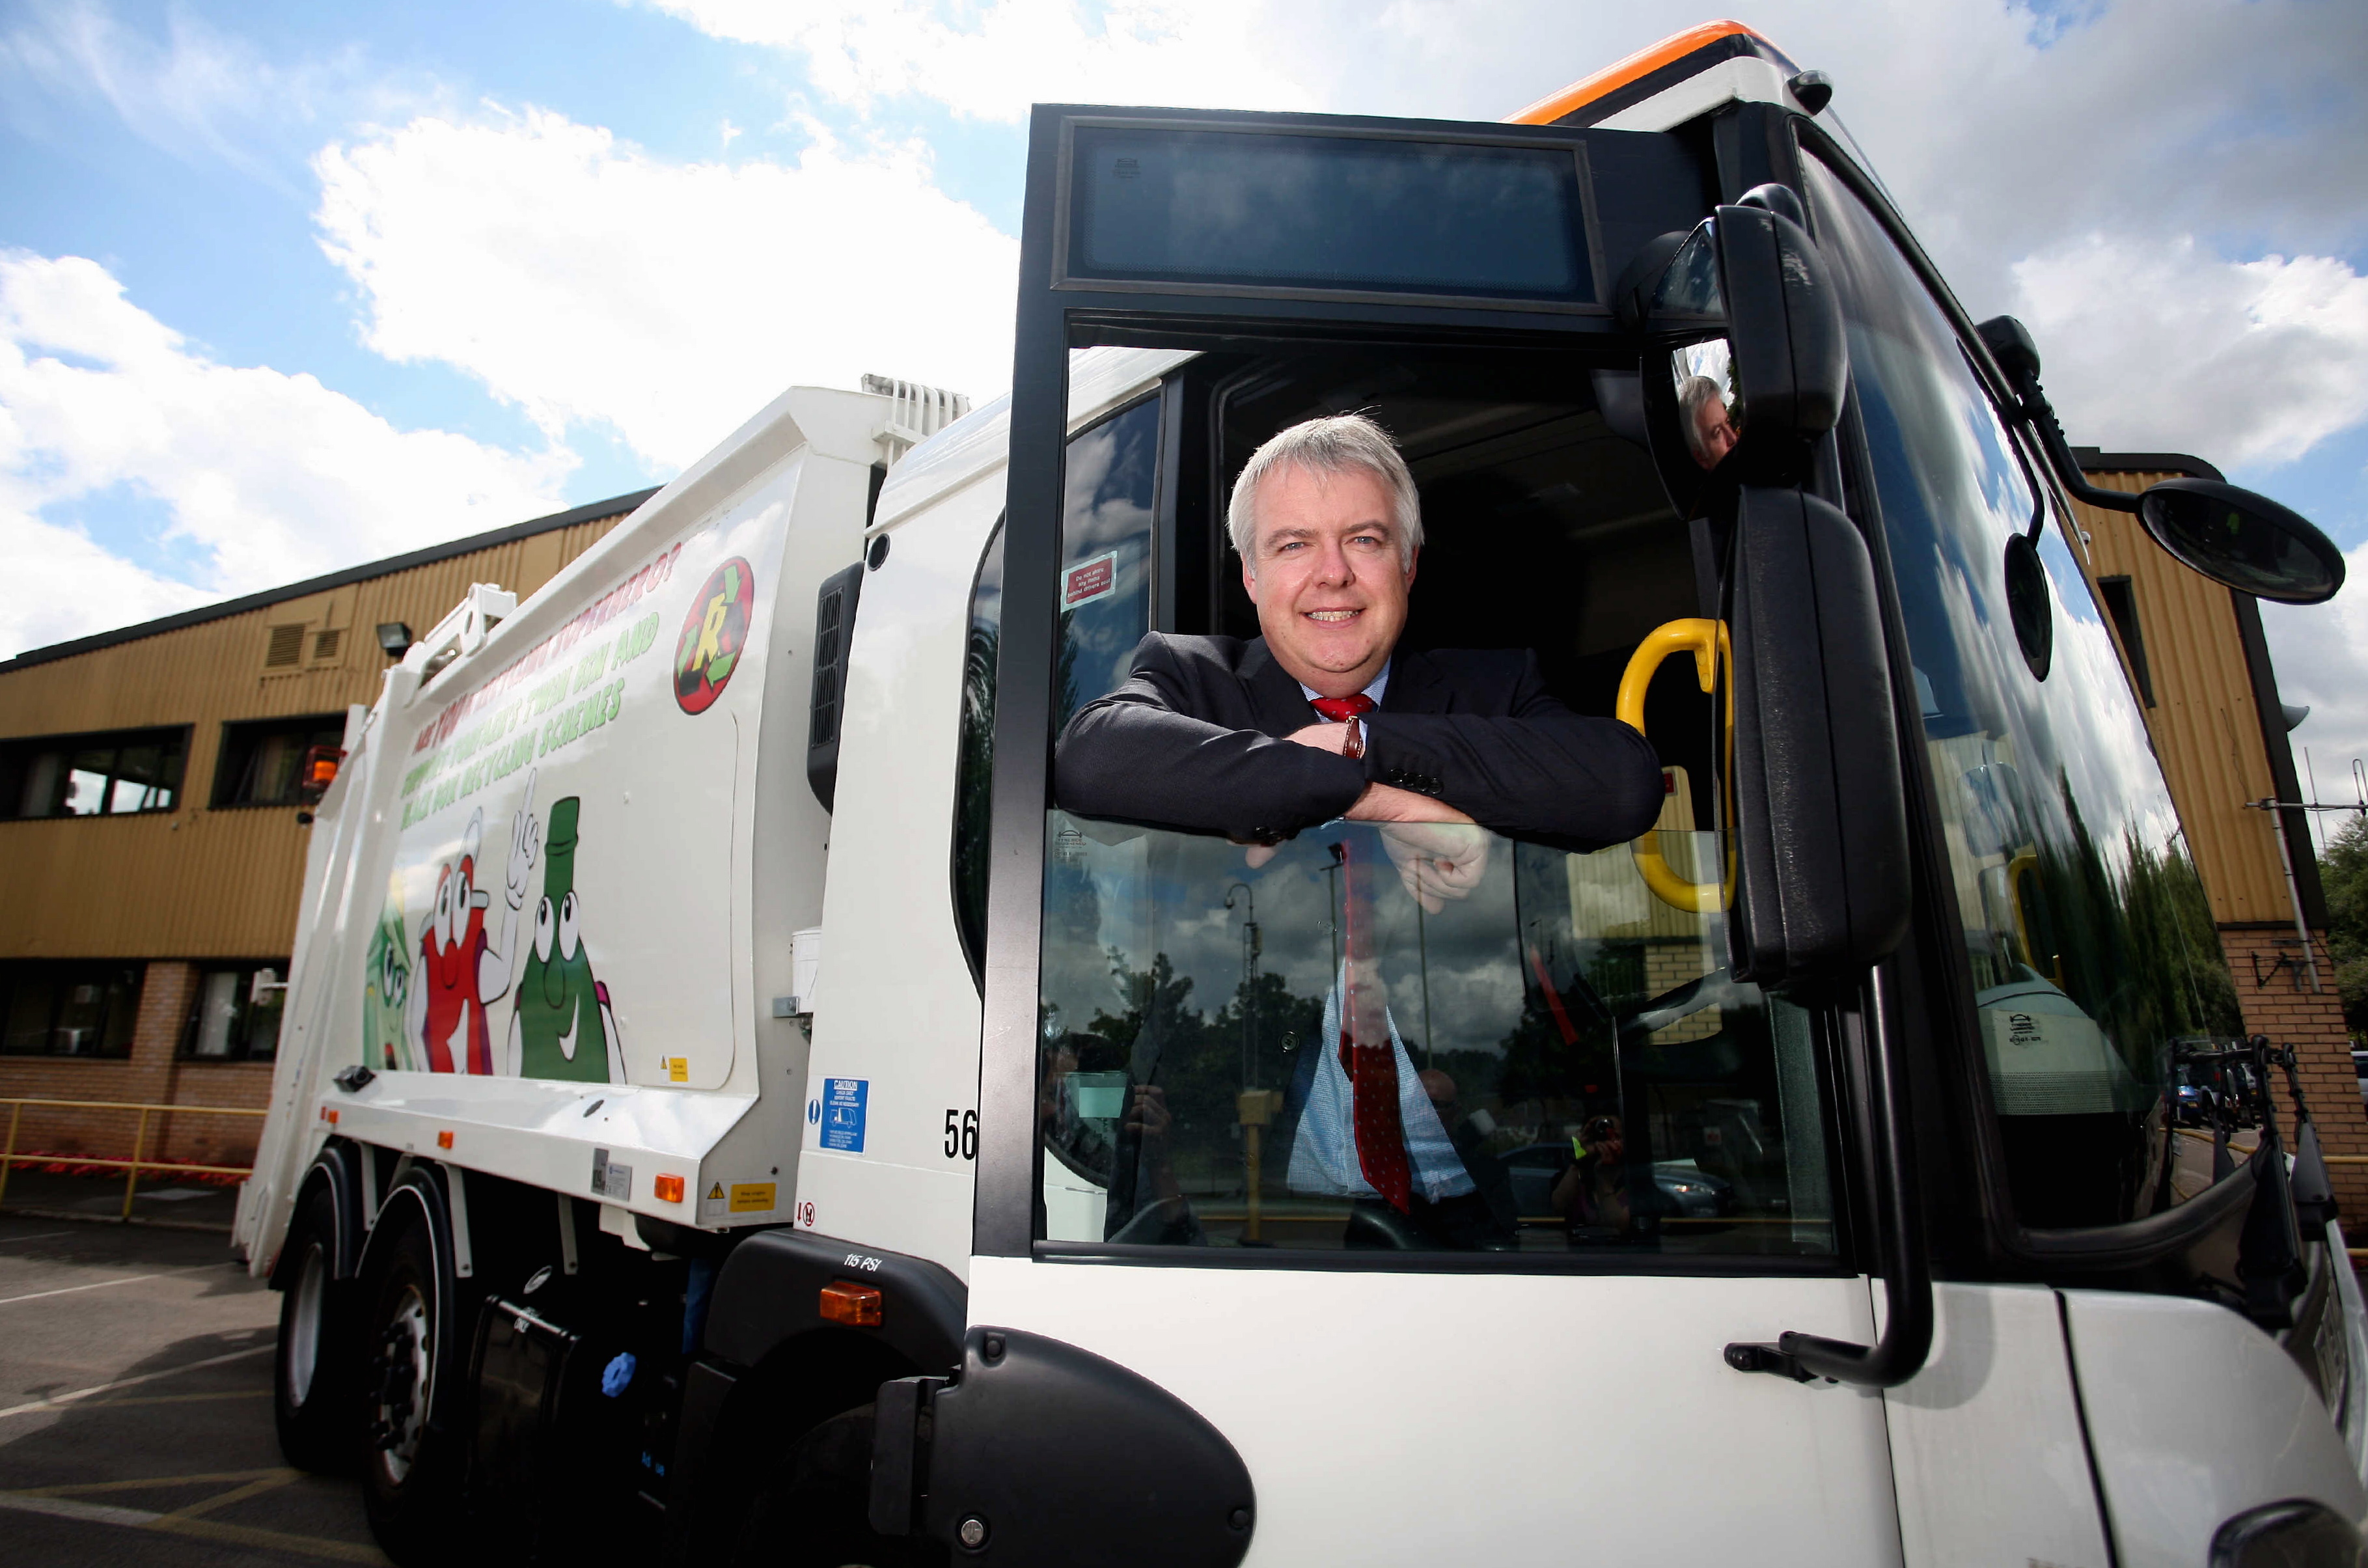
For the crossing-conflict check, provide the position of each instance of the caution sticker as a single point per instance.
(752, 1197)
(677, 1069)
(712, 1204)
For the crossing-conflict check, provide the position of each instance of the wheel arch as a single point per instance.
(338, 1168)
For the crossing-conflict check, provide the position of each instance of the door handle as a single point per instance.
(1706, 640)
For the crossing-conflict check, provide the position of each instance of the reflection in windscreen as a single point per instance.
(1332, 1051)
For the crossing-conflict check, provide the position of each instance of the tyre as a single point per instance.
(311, 1383)
(814, 1509)
(412, 1465)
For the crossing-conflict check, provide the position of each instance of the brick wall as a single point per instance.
(152, 1074)
(2278, 1001)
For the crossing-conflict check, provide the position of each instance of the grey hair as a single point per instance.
(1694, 391)
(1341, 443)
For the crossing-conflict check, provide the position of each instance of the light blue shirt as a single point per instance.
(1324, 1154)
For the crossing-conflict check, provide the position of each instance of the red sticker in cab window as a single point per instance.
(1089, 580)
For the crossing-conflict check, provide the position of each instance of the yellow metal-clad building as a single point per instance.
(2202, 668)
(153, 839)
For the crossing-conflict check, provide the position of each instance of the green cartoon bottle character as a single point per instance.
(386, 988)
(563, 1026)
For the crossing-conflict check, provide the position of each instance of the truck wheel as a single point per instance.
(311, 1381)
(814, 1509)
(411, 1471)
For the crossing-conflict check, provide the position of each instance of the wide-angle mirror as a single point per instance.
(2244, 539)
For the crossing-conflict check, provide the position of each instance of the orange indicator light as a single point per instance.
(329, 1115)
(444, 1139)
(668, 1188)
(857, 1306)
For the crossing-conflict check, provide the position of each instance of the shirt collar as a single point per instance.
(1381, 684)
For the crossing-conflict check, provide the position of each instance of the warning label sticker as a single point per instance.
(843, 1113)
(742, 1198)
(1089, 580)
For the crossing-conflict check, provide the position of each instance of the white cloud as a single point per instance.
(989, 61)
(266, 477)
(587, 281)
(2163, 347)
(2321, 657)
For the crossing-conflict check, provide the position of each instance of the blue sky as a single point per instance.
(286, 287)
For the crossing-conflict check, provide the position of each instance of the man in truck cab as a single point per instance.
(1324, 716)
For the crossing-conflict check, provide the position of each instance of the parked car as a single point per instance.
(1692, 1193)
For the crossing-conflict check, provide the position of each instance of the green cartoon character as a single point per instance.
(386, 989)
(563, 1026)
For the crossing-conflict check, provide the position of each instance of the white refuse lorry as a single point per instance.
(727, 1105)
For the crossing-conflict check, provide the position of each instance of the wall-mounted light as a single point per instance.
(394, 636)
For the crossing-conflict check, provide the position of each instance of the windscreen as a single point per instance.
(2097, 971)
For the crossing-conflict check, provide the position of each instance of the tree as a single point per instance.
(2343, 869)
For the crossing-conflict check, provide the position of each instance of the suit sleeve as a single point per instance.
(1540, 771)
(1138, 754)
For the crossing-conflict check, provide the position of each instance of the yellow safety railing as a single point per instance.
(10, 1159)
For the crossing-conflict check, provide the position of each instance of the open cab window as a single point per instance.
(1538, 1050)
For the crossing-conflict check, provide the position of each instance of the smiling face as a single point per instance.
(1327, 576)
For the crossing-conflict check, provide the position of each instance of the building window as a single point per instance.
(115, 774)
(235, 1013)
(52, 1008)
(2122, 604)
(262, 760)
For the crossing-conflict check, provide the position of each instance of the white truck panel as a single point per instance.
(1420, 1419)
(1986, 1446)
(657, 1018)
(2195, 1416)
(896, 1022)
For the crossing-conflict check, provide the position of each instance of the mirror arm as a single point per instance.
(2032, 410)
(1906, 1339)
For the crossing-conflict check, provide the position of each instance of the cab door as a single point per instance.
(1635, 1166)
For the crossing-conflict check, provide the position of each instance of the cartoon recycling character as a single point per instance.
(563, 1026)
(386, 988)
(462, 970)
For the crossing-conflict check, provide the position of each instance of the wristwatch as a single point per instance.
(1352, 744)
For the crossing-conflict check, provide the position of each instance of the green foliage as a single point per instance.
(2344, 871)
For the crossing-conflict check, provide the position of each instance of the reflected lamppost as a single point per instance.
(1252, 946)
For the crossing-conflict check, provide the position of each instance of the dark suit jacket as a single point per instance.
(1192, 740)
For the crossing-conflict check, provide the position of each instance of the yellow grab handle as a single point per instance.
(1707, 640)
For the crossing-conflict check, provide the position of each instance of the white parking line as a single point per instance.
(55, 1399)
(103, 1284)
(70, 1290)
(37, 1236)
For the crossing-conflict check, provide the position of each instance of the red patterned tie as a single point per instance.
(1341, 709)
(1372, 1065)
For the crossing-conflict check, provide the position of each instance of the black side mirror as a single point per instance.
(2244, 539)
(1752, 271)
(1821, 821)
(2232, 536)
